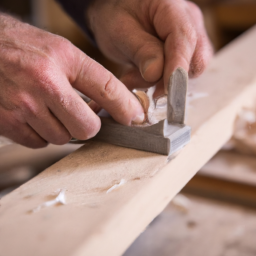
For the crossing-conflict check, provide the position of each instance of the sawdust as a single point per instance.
(116, 186)
(60, 199)
(244, 136)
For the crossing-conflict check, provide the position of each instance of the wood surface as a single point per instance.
(95, 221)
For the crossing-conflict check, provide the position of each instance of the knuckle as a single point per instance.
(11, 58)
(56, 47)
(63, 101)
(86, 64)
(44, 78)
(39, 66)
(109, 88)
(64, 44)
(27, 106)
(148, 50)
(190, 33)
(198, 66)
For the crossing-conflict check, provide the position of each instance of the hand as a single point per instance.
(38, 104)
(151, 38)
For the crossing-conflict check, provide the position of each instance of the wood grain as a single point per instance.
(94, 222)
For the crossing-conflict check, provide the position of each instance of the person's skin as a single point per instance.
(151, 38)
(37, 102)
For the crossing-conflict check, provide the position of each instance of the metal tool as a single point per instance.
(166, 137)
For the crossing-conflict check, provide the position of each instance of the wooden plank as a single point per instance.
(99, 219)
(229, 177)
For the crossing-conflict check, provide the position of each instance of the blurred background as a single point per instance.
(215, 213)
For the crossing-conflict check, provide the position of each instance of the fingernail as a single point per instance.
(139, 119)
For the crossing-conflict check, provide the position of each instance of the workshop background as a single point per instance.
(215, 213)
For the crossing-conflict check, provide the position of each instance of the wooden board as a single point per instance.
(228, 176)
(100, 220)
(230, 231)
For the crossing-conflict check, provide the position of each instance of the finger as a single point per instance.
(20, 133)
(71, 110)
(104, 88)
(48, 126)
(141, 48)
(159, 91)
(180, 36)
(204, 49)
(202, 55)
(94, 106)
(132, 79)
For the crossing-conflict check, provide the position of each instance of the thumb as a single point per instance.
(132, 79)
(143, 49)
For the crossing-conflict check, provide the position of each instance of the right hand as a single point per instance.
(38, 104)
(151, 39)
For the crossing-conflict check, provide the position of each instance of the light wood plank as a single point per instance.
(94, 222)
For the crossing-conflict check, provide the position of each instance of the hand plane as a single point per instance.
(166, 136)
